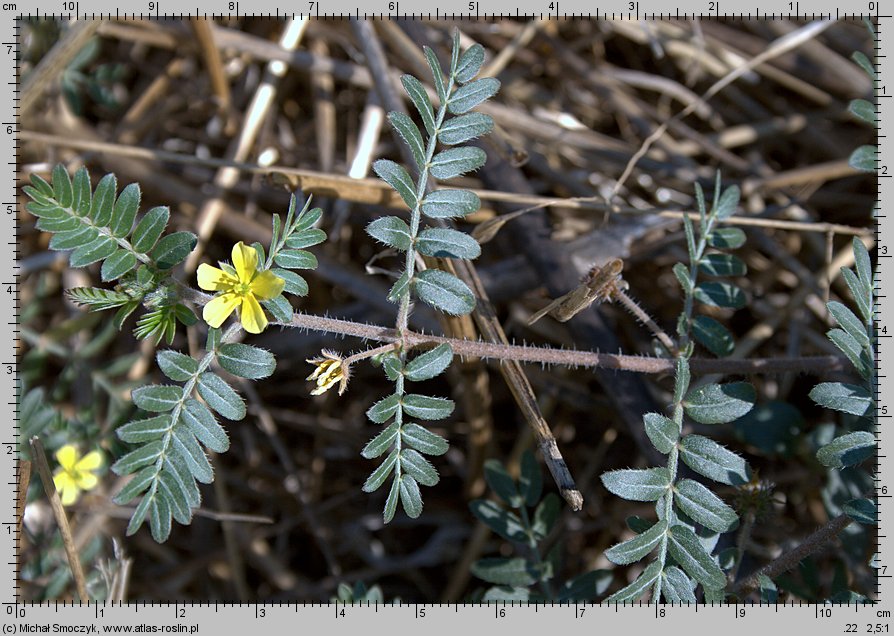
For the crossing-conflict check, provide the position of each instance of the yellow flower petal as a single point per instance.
(267, 285)
(67, 456)
(251, 315)
(219, 309)
(87, 481)
(90, 461)
(245, 260)
(213, 279)
(66, 487)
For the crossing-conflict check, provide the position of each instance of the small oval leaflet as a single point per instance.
(638, 485)
(221, 397)
(444, 291)
(157, 398)
(465, 128)
(391, 231)
(429, 364)
(380, 474)
(245, 361)
(470, 63)
(445, 204)
(381, 442)
(662, 431)
(704, 506)
(467, 97)
(204, 426)
(419, 468)
(453, 162)
(125, 211)
(847, 450)
(634, 549)
(686, 549)
(447, 243)
(708, 458)
(840, 396)
(175, 365)
(423, 440)
(410, 497)
(150, 228)
(720, 403)
(398, 178)
(425, 407)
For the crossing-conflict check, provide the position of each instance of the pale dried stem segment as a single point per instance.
(43, 468)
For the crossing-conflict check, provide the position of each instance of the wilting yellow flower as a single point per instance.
(242, 285)
(75, 473)
(330, 369)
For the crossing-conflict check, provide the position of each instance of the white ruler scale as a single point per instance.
(203, 618)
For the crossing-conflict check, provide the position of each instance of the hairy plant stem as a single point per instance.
(547, 355)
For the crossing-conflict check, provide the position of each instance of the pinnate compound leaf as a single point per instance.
(634, 549)
(150, 229)
(847, 450)
(708, 458)
(687, 550)
(504, 523)
(429, 364)
(246, 361)
(425, 407)
(447, 243)
(381, 442)
(453, 162)
(464, 128)
(501, 571)
(410, 497)
(157, 398)
(639, 587)
(662, 431)
(444, 292)
(467, 97)
(423, 440)
(638, 485)
(173, 249)
(704, 506)
(419, 97)
(202, 423)
(176, 366)
(221, 397)
(391, 231)
(720, 403)
(445, 204)
(398, 178)
(847, 398)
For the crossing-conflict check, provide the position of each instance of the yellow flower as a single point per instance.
(75, 474)
(242, 285)
(330, 369)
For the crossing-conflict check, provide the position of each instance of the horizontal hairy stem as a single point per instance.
(547, 355)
